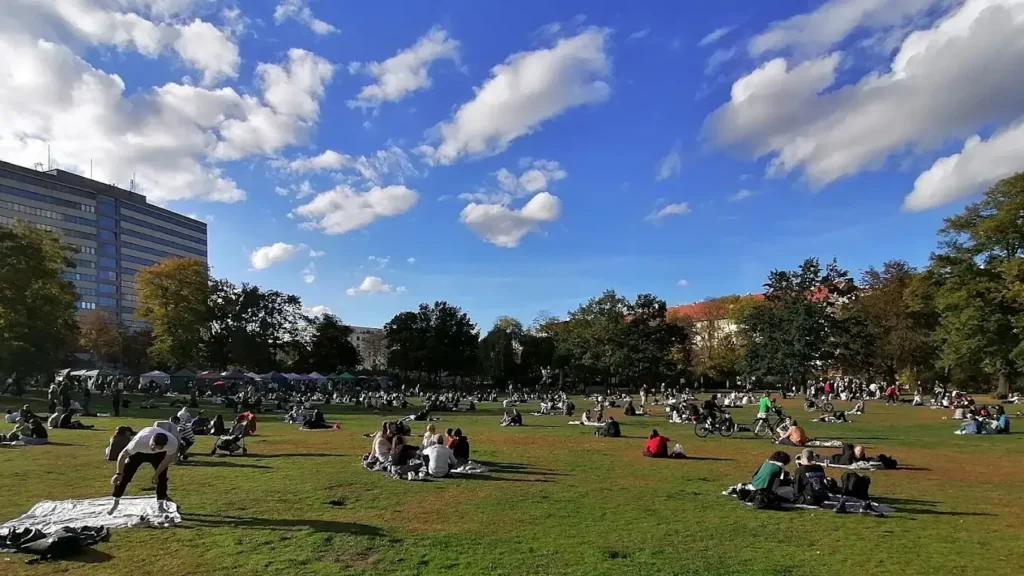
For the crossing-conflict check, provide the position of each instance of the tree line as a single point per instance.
(958, 320)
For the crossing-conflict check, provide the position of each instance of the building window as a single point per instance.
(24, 209)
(84, 263)
(86, 250)
(128, 297)
(135, 260)
(78, 276)
(156, 228)
(106, 222)
(106, 262)
(186, 224)
(109, 302)
(108, 288)
(47, 199)
(85, 291)
(106, 208)
(85, 305)
(106, 235)
(107, 249)
(107, 275)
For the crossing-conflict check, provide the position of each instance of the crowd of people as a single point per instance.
(436, 456)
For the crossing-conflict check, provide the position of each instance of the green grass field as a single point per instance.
(559, 501)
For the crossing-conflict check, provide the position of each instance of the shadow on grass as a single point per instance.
(299, 455)
(326, 526)
(219, 463)
(513, 468)
(709, 458)
(921, 507)
(497, 478)
(91, 556)
(914, 468)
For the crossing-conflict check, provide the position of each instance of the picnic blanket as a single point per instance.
(135, 511)
(471, 468)
(862, 465)
(852, 505)
(582, 423)
(824, 443)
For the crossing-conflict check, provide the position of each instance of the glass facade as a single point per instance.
(86, 210)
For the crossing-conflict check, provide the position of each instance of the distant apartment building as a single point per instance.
(371, 352)
(114, 232)
(710, 318)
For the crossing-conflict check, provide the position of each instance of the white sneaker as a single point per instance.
(117, 502)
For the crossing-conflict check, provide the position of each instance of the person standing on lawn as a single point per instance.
(152, 445)
(116, 392)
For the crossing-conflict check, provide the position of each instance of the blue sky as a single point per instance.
(678, 148)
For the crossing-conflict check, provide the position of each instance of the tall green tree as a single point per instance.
(793, 331)
(980, 274)
(437, 338)
(249, 326)
(888, 326)
(328, 348)
(501, 352)
(99, 335)
(37, 305)
(173, 298)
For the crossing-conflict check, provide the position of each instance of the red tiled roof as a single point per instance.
(699, 310)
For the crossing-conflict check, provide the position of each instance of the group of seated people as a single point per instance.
(437, 455)
(809, 485)
(28, 428)
(985, 421)
(513, 418)
(64, 420)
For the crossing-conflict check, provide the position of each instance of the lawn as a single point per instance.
(559, 501)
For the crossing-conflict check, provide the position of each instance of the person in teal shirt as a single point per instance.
(770, 471)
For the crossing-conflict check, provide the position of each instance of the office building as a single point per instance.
(114, 232)
(370, 346)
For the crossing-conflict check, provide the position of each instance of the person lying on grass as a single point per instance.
(794, 436)
(858, 408)
(834, 417)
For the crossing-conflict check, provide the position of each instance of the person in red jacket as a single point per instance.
(657, 446)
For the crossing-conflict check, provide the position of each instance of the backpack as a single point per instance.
(764, 500)
(887, 462)
(855, 485)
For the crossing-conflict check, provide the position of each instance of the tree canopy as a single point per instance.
(173, 297)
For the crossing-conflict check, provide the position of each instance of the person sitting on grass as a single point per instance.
(440, 459)
(122, 436)
(610, 429)
(296, 416)
(513, 418)
(1002, 422)
(186, 437)
(11, 417)
(53, 422)
(316, 421)
(970, 426)
(858, 408)
(459, 445)
(809, 486)
(629, 409)
(200, 424)
(67, 423)
(217, 428)
(656, 446)
(794, 436)
(569, 408)
(429, 436)
(184, 415)
(769, 475)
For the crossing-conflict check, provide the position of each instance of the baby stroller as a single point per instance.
(234, 440)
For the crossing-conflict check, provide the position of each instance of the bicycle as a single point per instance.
(764, 424)
(724, 426)
(818, 405)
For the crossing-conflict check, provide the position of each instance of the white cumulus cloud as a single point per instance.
(369, 285)
(677, 209)
(977, 167)
(266, 256)
(344, 209)
(714, 36)
(405, 72)
(683, 283)
(299, 11)
(319, 310)
(670, 164)
(506, 227)
(526, 90)
(794, 114)
(740, 195)
(411, 260)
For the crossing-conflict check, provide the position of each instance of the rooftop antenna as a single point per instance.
(90, 168)
(49, 166)
(131, 183)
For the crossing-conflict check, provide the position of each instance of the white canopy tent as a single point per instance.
(155, 376)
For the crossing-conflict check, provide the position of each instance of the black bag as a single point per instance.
(887, 462)
(855, 485)
(765, 500)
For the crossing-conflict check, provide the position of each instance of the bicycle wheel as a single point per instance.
(809, 406)
(827, 407)
(726, 429)
(701, 430)
(761, 428)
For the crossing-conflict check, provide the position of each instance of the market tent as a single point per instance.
(346, 376)
(316, 376)
(207, 375)
(252, 376)
(302, 378)
(79, 372)
(233, 375)
(291, 375)
(275, 377)
(155, 376)
(180, 380)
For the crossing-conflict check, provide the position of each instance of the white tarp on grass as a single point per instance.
(134, 511)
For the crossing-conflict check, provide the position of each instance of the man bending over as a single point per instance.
(151, 445)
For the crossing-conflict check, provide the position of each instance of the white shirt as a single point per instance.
(382, 448)
(140, 444)
(185, 417)
(441, 460)
(12, 418)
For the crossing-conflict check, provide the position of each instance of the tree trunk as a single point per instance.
(1003, 384)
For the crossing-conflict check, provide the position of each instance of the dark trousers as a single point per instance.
(786, 442)
(117, 403)
(132, 466)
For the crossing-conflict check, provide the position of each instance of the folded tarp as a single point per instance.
(134, 511)
(61, 543)
(852, 505)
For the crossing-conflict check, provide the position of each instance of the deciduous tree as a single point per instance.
(173, 297)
